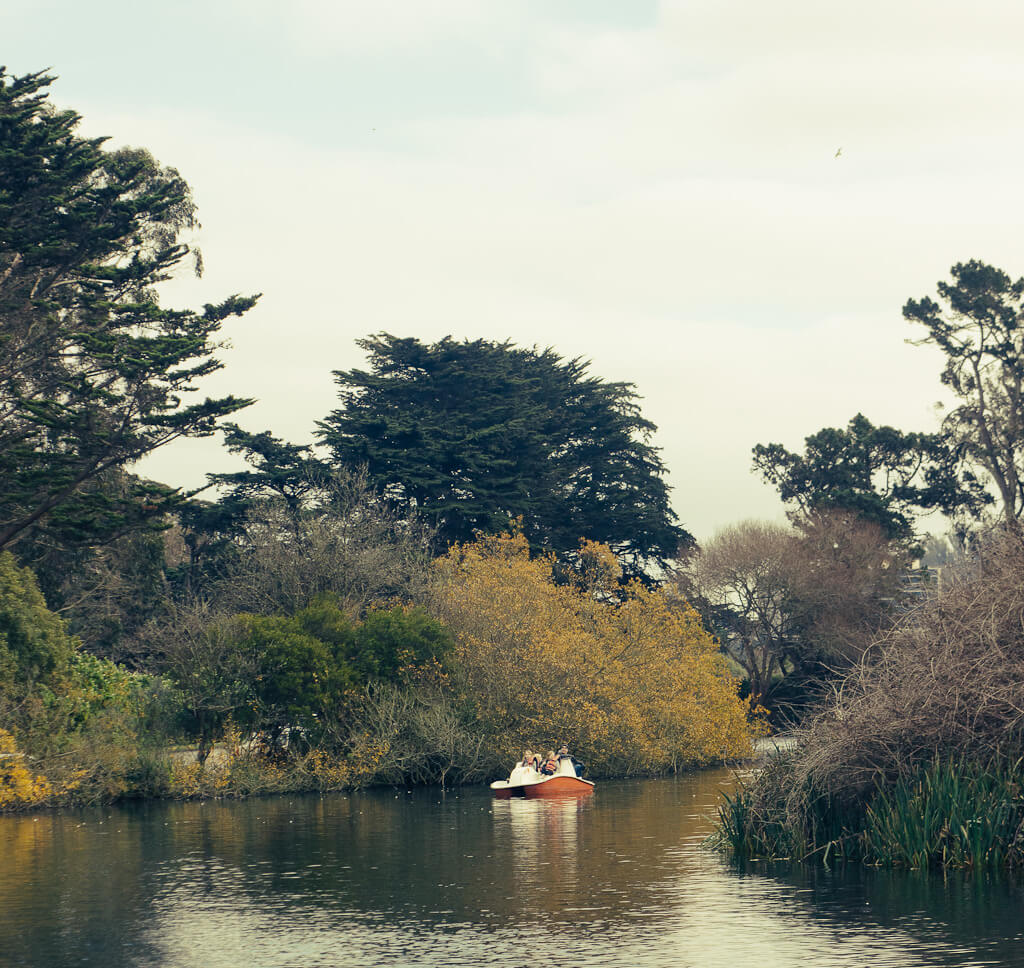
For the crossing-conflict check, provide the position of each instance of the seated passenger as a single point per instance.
(525, 771)
(567, 761)
(550, 765)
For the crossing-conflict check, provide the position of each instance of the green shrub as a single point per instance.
(34, 646)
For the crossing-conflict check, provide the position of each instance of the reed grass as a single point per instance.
(746, 832)
(949, 814)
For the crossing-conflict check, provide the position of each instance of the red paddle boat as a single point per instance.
(525, 781)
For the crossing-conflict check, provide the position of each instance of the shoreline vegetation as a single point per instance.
(471, 558)
(500, 654)
(916, 760)
(478, 554)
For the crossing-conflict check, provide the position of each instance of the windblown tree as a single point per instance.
(476, 434)
(93, 371)
(978, 326)
(881, 474)
(278, 469)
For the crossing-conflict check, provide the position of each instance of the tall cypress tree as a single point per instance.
(475, 434)
(92, 369)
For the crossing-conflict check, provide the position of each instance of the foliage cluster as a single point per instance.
(795, 607)
(93, 371)
(879, 474)
(883, 474)
(292, 679)
(618, 673)
(927, 730)
(83, 729)
(978, 327)
(947, 813)
(34, 647)
(504, 654)
(79, 722)
(19, 786)
(477, 434)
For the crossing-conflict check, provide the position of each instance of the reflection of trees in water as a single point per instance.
(70, 883)
(624, 860)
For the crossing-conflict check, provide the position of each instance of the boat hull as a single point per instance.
(558, 786)
(504, 790)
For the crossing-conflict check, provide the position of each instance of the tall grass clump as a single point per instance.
(949, 814)
(916, 757)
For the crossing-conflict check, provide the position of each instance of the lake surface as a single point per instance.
(428, 878)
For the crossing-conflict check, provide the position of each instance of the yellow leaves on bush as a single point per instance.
(238, 767)
(336, 771)
(19, 786)
(631, 683)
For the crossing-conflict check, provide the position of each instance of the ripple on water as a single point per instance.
(618, 878)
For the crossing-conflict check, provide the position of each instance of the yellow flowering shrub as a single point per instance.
(631, 683)
(19, 786)
(237, 767)
(344, 771)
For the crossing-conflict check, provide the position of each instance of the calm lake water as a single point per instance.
(429, 878)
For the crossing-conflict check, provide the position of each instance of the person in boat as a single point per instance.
(563, 754)
(530, 760)
(550, 765)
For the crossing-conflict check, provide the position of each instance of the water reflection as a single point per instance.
(424, 877)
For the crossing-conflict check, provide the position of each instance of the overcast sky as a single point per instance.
(654, 186)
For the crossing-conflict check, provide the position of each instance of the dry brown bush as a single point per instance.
(947, 681)
(344, 543)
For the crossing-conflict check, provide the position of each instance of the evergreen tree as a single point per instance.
(92, 370)
(881, 474)
(279, 469)
(979, 328)
(476, 434)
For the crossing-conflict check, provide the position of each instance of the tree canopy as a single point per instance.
(880, 474)
(475, 434)
(93, 371)
(979, 328)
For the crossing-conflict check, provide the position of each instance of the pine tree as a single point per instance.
(93, 370)
(476, 434)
